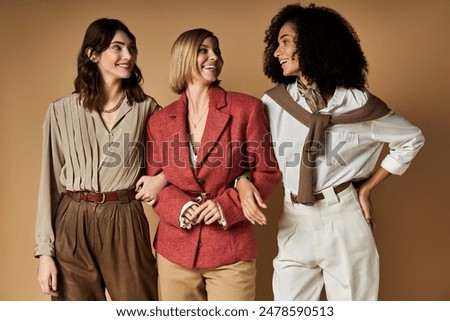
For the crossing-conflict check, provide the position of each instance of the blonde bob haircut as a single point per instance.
(183, 58)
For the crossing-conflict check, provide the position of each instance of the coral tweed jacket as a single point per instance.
(236, 139)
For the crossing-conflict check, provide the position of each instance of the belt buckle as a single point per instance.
(103, 198)
(202, 197)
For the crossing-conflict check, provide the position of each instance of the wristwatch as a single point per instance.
(246, 175)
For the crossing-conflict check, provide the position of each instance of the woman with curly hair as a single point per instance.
(92, 234)
(328, 132)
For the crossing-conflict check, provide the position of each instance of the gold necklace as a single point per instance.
(195, 124)
(116, 106)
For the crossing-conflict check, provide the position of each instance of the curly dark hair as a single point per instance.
(89, 82)
(327, 45)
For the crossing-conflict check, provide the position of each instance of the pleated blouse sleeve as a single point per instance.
(50, 187)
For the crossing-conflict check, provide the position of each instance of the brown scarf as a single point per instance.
(373, 109)
(312, 97)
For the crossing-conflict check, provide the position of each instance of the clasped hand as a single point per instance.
(208, 212)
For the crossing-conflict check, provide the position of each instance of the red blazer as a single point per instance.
(236, 139)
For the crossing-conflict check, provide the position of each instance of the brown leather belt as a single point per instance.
(320, 196)
(124, 196)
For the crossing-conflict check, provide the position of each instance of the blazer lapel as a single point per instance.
(180, 140)
(216, 122)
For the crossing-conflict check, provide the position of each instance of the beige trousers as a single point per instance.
(234, 282)
(328, 244)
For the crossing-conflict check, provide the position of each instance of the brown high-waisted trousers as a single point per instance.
(104, 246)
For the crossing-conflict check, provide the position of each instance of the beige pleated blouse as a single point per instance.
(79, 153)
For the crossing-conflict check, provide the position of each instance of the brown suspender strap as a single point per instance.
(317, 123)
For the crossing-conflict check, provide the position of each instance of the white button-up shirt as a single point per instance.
(351, 150)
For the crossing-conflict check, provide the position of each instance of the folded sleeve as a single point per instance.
(404, 140)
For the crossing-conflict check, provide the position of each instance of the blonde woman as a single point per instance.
(203, 143)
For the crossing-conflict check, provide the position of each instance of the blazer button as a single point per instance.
(199, 244)
(201, 181)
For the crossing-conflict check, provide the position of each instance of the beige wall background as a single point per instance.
(406, 43)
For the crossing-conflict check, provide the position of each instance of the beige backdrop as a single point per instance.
(406, 43)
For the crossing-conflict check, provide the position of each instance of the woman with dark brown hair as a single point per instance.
(92, 234)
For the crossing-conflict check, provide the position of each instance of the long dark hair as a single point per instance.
(328, 48)
(89, 82)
